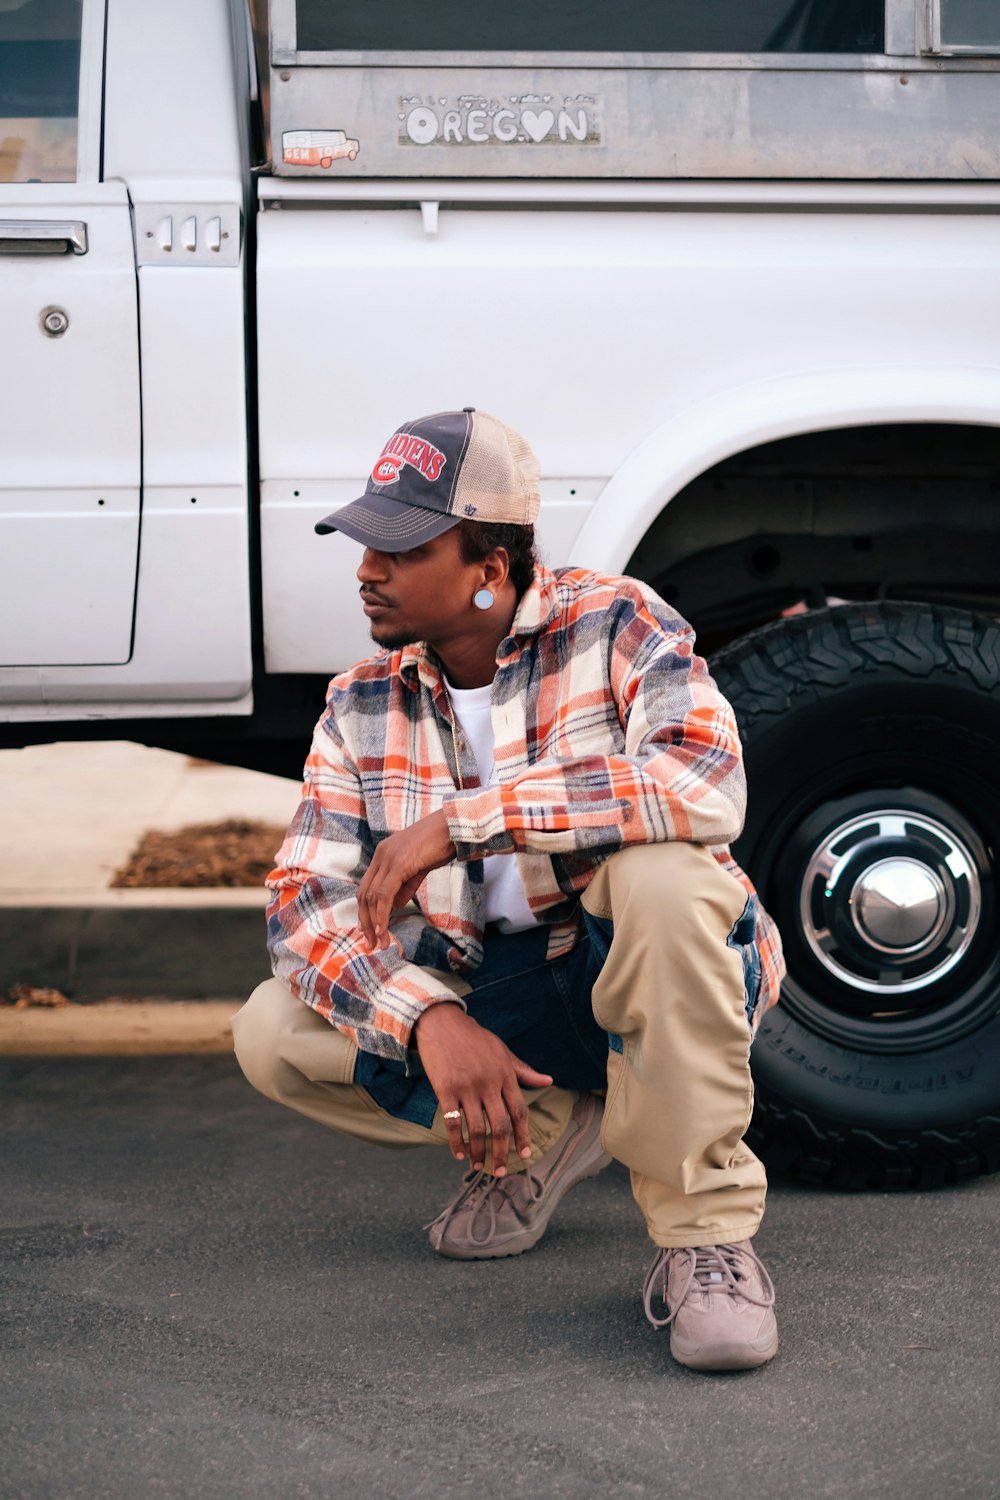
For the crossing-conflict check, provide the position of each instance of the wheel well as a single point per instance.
(904, 511)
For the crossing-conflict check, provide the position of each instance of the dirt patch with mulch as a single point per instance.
(25, 996)
(237, 852)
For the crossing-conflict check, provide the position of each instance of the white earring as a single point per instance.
(483, 598)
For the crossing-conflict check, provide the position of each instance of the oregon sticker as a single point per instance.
(511, 120)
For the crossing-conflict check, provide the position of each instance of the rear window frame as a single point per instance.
(285, 52)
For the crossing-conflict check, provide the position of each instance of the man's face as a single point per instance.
(422, 595)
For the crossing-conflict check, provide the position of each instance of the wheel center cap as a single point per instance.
(891, 899)
(898, 904)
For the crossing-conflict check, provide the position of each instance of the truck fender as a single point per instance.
(701, 435)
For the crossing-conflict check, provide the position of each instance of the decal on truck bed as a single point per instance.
(316, 148)
(510, 119)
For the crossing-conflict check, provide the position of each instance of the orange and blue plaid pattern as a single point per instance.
(609, 731)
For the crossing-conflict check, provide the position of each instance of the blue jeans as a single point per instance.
(539, 1008)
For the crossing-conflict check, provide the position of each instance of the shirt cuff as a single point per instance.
(476, 823)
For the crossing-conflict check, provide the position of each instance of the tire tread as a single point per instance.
(780, 667)
(787, 659)
(793, 1143)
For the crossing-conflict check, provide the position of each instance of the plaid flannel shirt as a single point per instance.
(608, 730)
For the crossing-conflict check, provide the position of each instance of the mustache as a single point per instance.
(371, 596)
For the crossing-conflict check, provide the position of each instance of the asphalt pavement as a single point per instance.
(205, 1296)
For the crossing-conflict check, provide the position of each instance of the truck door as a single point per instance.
(69, 411)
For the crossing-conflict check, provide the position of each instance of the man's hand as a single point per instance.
(472, 1070)
(398, 865)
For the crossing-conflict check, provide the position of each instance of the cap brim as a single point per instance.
(379, 522)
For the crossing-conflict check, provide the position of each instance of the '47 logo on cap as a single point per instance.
(402, 449)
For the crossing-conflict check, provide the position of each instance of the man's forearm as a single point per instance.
(598, 806)
(398, 867)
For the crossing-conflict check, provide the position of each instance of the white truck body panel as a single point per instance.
(70, 432)
(178, 121)
(602, 335)
(192, 621)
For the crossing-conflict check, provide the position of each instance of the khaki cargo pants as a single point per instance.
(672, 996)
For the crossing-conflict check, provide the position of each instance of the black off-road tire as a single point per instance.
(852, 708)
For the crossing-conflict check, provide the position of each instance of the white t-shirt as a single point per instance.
(504, 901)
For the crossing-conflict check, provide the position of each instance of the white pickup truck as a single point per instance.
(733, 269)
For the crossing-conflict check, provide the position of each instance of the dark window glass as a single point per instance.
(970, 23)
(593, 26)
(39, 78)
(39, 85)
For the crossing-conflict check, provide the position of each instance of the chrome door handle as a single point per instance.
(43, 237)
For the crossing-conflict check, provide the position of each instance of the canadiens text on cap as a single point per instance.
(439, 470)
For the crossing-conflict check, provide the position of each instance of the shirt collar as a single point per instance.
(539, 603)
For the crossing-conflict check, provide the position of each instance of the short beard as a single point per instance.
(395, 642)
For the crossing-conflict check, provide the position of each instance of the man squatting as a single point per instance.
(506, 898)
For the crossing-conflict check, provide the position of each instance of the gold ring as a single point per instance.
(452, 1114)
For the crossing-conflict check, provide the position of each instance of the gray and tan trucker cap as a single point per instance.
(437, 471)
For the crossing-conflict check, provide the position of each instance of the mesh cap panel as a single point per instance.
(499, 475)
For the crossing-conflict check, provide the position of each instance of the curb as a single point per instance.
(117, 1029)
(168, 944)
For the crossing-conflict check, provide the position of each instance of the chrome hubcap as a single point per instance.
(898, 905)
(890, 901)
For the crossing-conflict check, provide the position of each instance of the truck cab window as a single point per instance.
(968, 26)
(39, 88)
(732, 26)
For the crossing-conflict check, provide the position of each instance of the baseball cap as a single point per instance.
(437, 471)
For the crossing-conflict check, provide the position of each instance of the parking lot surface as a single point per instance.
(205, 1296)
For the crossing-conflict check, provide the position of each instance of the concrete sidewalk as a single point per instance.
(71, 815)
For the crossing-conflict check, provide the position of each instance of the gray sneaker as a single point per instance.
(720, 1303)
(493, 1216)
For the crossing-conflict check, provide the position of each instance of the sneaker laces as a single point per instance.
(718, 1270)
(481, 1190)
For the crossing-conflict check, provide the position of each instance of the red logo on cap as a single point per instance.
(404, 448)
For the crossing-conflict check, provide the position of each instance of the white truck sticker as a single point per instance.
(511, 120)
